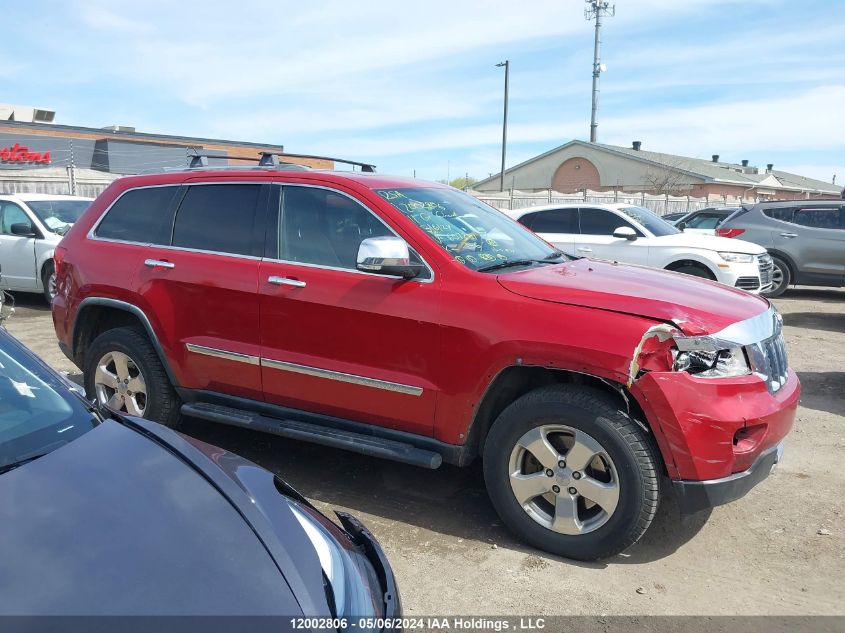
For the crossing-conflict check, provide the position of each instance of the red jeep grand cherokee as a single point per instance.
(409, 321)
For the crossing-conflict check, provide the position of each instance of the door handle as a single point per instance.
(584, 249)
(158, 263)
(286, 281)
(789, 235)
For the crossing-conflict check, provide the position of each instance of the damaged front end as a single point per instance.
(716, 402)
(753, 346)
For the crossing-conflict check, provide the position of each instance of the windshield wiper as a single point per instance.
(508, 264)
(20, 462)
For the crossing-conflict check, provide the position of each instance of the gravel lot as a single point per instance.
(778, 551)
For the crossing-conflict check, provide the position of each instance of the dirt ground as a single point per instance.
(780, 550)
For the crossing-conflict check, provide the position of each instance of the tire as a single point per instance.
(694, 270)
(129, 348)
(630, 459)
(48, 281)
(781, 276)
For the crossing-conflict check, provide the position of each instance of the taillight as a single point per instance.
(729, 232)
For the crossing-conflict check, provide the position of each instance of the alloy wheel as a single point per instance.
(777, 277)
(119, 384)
(564, 479)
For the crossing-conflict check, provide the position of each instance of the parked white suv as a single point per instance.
(630, 234)
(31, 225)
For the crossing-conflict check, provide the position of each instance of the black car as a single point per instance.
(102, 514)
(706, 219)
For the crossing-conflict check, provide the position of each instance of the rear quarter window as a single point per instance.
(140, 215)
(784, 214)
(217, 218)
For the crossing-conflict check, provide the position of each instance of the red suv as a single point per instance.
(407, 320)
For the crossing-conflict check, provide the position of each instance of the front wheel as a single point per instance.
(570, 473)
(123, 372)
(48, 281)
(781, 278)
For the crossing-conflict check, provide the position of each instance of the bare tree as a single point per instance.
(668, 179)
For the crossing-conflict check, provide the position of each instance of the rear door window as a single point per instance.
(218, 218)
(819, 217)
(140, 215)
(552, 221)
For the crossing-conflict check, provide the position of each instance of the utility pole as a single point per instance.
(597, 9)
(507, 65)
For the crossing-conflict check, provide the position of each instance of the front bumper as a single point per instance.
(710, 429)
(751, 277)
(694, 496)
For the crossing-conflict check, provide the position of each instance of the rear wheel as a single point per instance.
(571, 474)
(781, 278)
(123, 372)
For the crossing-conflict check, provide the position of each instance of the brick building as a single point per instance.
(580, 165)
(37, 156)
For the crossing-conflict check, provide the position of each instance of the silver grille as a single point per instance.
(765, 266)
(768, 358)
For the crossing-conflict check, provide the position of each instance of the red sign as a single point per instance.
(18, 153)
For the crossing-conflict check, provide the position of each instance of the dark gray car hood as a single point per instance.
(117, 522)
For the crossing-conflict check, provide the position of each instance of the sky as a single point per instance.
(413, 87)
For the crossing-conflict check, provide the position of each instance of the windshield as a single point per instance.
(652, 223)
(476, 235)
(38, 413)
(58, 215)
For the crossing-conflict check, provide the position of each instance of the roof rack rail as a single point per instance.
(199, 160)
(269, 156)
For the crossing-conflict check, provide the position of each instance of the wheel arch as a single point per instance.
(793, 269)
(41, 262)
(687, 260)
(96, 315)
(514, 381)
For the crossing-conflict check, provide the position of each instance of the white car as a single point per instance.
(31, 225)
(633, 235)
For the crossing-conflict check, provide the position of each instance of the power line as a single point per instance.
(596, 10)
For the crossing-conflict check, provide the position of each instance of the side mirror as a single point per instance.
(626, 233)
(23, 229)
(387, 256)
(681, 226)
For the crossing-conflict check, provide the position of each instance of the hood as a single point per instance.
(115, 523)
(696, 306)
(708, 242)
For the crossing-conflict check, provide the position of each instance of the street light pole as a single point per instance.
(507, 66)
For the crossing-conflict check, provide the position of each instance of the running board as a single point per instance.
(316, 434)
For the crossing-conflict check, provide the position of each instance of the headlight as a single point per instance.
(737, 258)
(352, 583)
(712, 364)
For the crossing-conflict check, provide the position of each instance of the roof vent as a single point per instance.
(636, 145)
(715, 158)
(769, 168)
